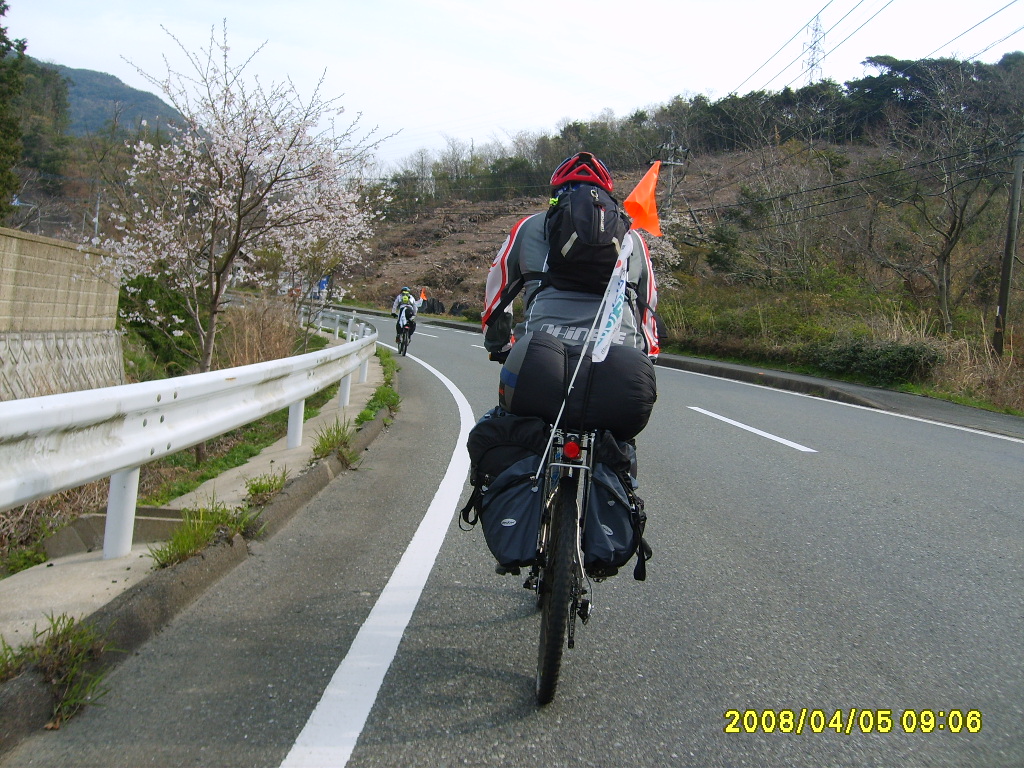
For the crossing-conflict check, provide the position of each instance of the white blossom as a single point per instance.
(251, 169)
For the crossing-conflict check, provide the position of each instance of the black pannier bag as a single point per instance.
(505, 451)
(617, 394)
(614, 523)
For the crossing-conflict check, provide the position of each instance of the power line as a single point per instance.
(869, 177)
(830, 213)
(836, 213)
(997, 42)
(1012, 2)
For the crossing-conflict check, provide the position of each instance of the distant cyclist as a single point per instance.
(404, 308)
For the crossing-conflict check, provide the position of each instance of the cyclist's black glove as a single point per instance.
(499, 357)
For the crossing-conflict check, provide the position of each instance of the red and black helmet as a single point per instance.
(583, 167)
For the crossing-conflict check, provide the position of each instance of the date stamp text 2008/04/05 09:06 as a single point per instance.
(852, 720)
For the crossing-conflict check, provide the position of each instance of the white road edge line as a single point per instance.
(770, 436)
(330, 734)
(878, 411)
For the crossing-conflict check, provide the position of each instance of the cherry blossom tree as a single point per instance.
(251, 168)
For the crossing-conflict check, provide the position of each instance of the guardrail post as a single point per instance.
(120, 527)
(295, 414)
(364, 371)
(351, 322)
(344, 391)
(337, 324)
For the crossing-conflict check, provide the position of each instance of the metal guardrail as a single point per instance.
(55, 442)
(326, 318)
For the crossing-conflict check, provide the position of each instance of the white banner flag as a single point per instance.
(613, 304)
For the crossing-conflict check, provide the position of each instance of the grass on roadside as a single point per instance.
(64, 654)
(335, 438)
(204, 526)
(262, 488)
(385, 395)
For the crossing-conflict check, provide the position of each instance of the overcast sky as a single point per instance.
(480, 70)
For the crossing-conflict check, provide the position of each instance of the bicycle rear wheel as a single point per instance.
(557, 583)
(403, 342)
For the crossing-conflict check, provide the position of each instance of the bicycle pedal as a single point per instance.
(530, 583)
(584, 611)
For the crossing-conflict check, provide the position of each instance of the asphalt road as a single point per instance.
(811, 557)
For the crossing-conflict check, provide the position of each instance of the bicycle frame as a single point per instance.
(558, 575)
(561, 586)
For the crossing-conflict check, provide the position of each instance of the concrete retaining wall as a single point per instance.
(57, 319)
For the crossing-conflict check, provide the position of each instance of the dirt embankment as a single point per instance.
(447, 251)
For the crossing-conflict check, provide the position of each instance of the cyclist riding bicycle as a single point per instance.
(553, 467)
(566, 307)
(404, 307)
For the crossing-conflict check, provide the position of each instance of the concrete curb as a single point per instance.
(134, 616)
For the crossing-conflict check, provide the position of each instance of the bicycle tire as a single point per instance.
(403, 343)
(557, 583)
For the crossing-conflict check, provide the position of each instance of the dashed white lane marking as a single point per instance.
(756, 431)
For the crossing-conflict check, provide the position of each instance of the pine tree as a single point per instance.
(12, 77)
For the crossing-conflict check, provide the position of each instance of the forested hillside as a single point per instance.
(856, 229)
(95, 99)
(810, 227)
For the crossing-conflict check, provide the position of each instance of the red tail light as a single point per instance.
(571, 450)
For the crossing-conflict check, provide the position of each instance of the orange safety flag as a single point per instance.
(423, 293)
(641, 205)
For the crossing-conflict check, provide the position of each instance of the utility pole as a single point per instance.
(1011, 248)
(96, 218)
(672, 160)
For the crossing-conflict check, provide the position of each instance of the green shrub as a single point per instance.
(149, 308)
(882, 363)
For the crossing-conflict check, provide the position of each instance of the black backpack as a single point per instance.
(585, 230)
